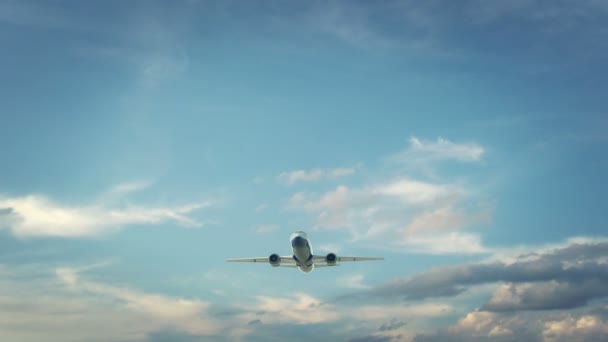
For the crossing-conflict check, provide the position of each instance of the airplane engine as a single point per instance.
(331, 259)
(274, 260)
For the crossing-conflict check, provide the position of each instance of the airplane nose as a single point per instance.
(298, 241)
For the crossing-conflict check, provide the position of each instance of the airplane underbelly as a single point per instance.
(307, 269)
(302, 254)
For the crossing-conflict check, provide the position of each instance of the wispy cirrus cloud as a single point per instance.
(60, 304)
(266, 228)
(162, 311)
(421, 153)
(354, 281)
(304, 309)
(38, 215)
(313, 175)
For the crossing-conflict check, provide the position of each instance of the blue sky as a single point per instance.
(145, 142)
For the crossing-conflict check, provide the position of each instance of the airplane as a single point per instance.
(303, 257)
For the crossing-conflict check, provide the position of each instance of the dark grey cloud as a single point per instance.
(447, 337)
(560, 279)
(174, 336)
(370, 338)
(254, 322)
(392, 325)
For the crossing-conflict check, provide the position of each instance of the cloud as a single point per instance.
(371, 338)
(443, 243)
(181, 314)
(341, 172)
(37, 215)
(583, 328)
(415, 216)
(304, 309)
(447, 217)
(392, 325)
(301, 308)
(483, 326)
(42, 304)
(261, 207)
(416, 192)
(546, 326)
(423, 153)
(293, 177)
(563, 278)
(266, 228)
(354, 281)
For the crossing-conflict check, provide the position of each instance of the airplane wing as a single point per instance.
(321, 259)
(325, 265)
(284, 259)
(344, 259)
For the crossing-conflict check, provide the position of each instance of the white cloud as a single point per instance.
(417, 192)
(266, 228)
(261, 207)
(38, 215)
(478, 322)
(329, 248)
(443, 243)
(293, 177)
(313, 175)
(446, 218)
(129, 187)
(413, 215)
(340, 172)
(575, 329)
(166, 312)
(38, 305)
(354, 281)
(301, 308)
(421, 153)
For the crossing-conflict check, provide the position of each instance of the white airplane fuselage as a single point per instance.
(302, 251)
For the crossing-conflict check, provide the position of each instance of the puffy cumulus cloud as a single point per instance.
(547, 294)
(416, 216)
(485, 326)
(582, 328)
(562, 278)
(546, 326)
(38, 215)
(293, 177)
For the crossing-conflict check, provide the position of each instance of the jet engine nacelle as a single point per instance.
(331, 259)
(274, 260)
